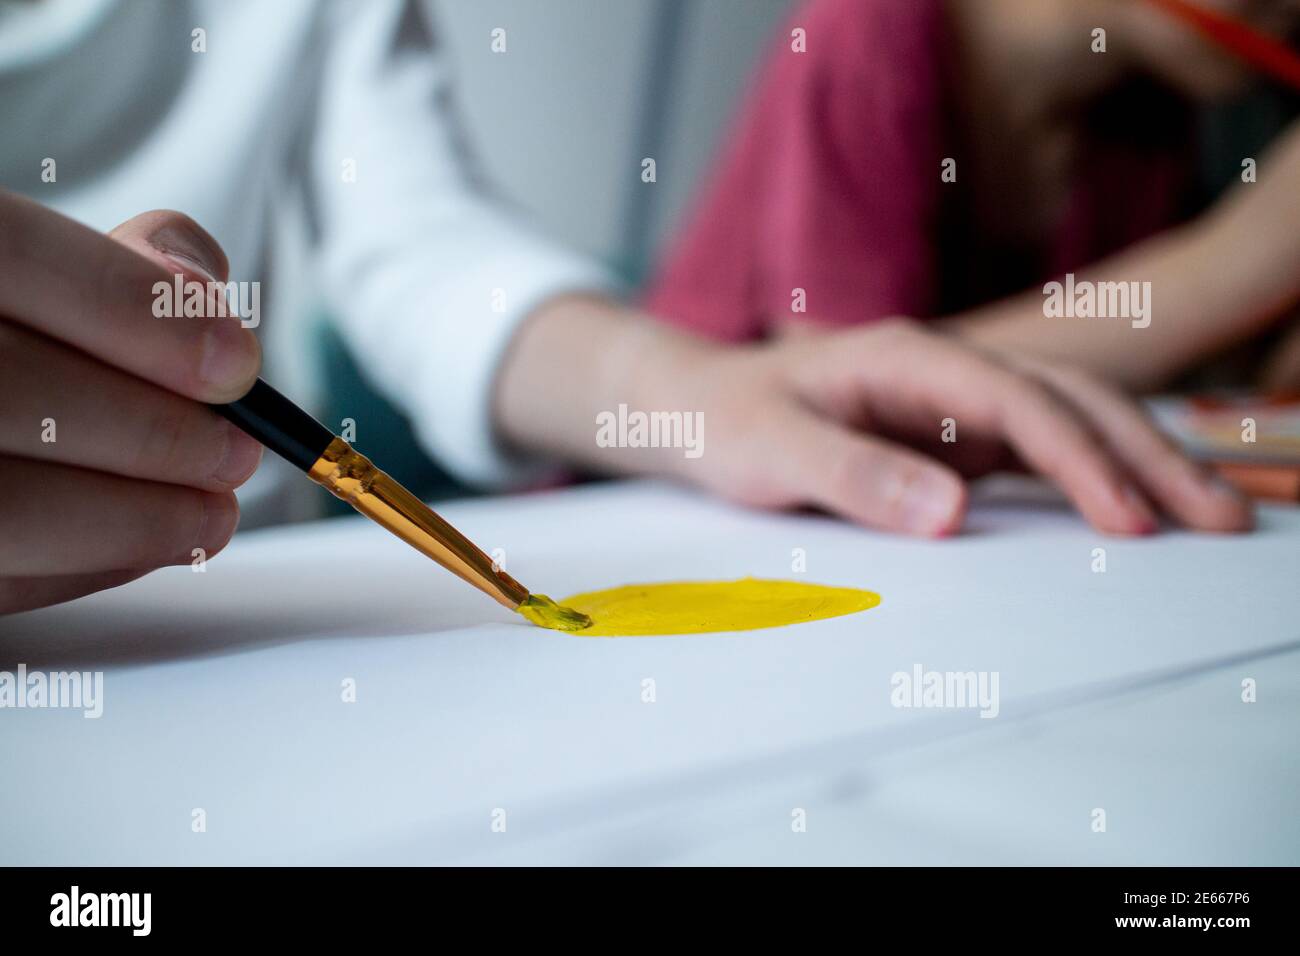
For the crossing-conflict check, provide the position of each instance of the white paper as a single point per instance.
(223, 688)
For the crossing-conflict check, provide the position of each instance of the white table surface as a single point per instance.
(1119, 691)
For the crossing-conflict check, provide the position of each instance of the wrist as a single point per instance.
(579, 357)
(666, 368)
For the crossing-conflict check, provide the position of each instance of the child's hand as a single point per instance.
(111, 463)
(854, 422)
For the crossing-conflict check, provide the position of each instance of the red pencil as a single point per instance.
(1260, 50)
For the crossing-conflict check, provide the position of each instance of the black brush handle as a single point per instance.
(279, 424)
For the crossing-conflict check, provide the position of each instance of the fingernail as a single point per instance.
(243, 454)
(199, 253)
(188, 264)
(220, 518)
(928, 504)
(1137, 505)
(230, 354)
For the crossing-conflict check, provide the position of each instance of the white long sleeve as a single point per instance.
(427, 276)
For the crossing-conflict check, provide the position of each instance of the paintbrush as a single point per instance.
(331, 462)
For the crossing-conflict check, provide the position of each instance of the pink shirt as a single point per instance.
(831, 184)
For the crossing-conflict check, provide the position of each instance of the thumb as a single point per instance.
(174, 240)
(180, 245)
(872, 481)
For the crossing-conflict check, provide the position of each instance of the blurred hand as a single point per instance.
(111, 464)
(852, 422)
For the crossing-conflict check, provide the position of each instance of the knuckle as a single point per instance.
(847, 471)
(122, 288)
(182, 528)
(1083, 381)
(872, 483)
(1015, 396)
(167, 450)
(893, 492)
(217, 522)
(1028, 393)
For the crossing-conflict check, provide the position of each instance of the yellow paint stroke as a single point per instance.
(544, 612)
(701, 607)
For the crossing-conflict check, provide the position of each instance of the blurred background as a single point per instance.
(564, 135)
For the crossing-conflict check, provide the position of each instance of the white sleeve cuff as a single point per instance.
(430, 328)
(452, 405)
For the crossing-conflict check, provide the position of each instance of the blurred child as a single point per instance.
(946, 160)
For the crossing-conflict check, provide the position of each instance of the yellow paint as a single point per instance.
(700, 607)
(544, 612)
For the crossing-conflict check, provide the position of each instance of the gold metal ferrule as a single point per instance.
(351, 476)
